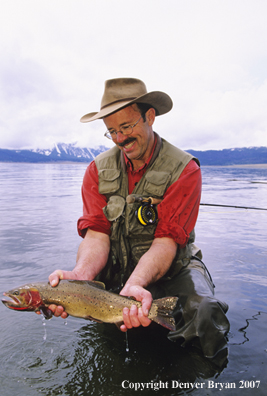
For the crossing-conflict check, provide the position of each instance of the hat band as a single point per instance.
(117, 101)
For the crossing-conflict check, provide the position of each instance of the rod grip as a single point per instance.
(130, 199)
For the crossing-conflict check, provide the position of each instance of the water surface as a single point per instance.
(39, 207)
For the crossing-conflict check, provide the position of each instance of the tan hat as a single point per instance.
(122, 92)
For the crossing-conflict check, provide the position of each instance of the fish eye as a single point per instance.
(16, 293)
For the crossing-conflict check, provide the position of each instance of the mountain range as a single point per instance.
(62, 152)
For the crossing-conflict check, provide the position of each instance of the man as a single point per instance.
(141, 201)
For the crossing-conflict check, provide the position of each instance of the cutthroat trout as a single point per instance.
(85, 299)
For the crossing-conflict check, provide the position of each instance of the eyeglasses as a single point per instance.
(125, 130)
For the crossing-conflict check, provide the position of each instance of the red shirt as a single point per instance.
(177, 213)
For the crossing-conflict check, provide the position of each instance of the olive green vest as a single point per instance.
(130, 239)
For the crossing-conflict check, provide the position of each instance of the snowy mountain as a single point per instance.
(63, 150)
(59, 153)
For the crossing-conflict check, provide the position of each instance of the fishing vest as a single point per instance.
(129, 238)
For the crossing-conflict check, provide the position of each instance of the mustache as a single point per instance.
(127, 141)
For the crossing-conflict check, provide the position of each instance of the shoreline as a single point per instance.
(240, 166)
(264, 166)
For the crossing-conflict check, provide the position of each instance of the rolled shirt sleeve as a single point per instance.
(178, 211)
(93, 203)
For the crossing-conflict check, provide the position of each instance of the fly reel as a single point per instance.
(146, 214)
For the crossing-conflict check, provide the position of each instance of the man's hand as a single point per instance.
(135, 317)
(152, 266)
(58, 275)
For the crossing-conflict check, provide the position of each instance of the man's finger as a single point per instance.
(134, 316)
(143, 318)
(126, 318)
(55, 277)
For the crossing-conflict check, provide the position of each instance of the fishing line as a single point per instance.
(232, 206)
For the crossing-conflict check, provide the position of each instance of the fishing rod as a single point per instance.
(150, 202)
(232, 206)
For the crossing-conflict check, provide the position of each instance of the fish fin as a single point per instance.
(118, 324)
(99, 285)
(165, 307)
(46, 312)
(93, 319)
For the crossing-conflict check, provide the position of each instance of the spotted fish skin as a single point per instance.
(87, 300)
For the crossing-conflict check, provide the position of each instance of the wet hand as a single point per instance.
(57, 311)
(58, 275)
(135, 317)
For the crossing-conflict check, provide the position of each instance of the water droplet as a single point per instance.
(127, 342)
(127, 359)
(44, 324)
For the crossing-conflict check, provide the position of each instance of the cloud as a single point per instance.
(209, 56)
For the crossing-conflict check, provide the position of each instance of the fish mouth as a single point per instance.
(13, 302)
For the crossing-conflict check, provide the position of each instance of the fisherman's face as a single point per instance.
(138, 145)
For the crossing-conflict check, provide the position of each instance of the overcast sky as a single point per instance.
(210, 56)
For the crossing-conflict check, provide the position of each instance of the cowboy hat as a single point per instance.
(122, 92)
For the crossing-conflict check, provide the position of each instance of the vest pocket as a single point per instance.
(156, 183)
(114, 208)
(109, 180)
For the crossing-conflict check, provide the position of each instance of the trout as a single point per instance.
(85, 299)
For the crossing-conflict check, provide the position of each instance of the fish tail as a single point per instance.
(165, 307)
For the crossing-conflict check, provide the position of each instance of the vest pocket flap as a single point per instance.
(156, 182)
(109, 180)
(114, 208)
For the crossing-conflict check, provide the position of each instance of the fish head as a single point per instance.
(23, 298)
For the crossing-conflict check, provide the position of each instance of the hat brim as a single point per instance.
(159, 100)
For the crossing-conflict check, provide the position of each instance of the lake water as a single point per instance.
(39, 207)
